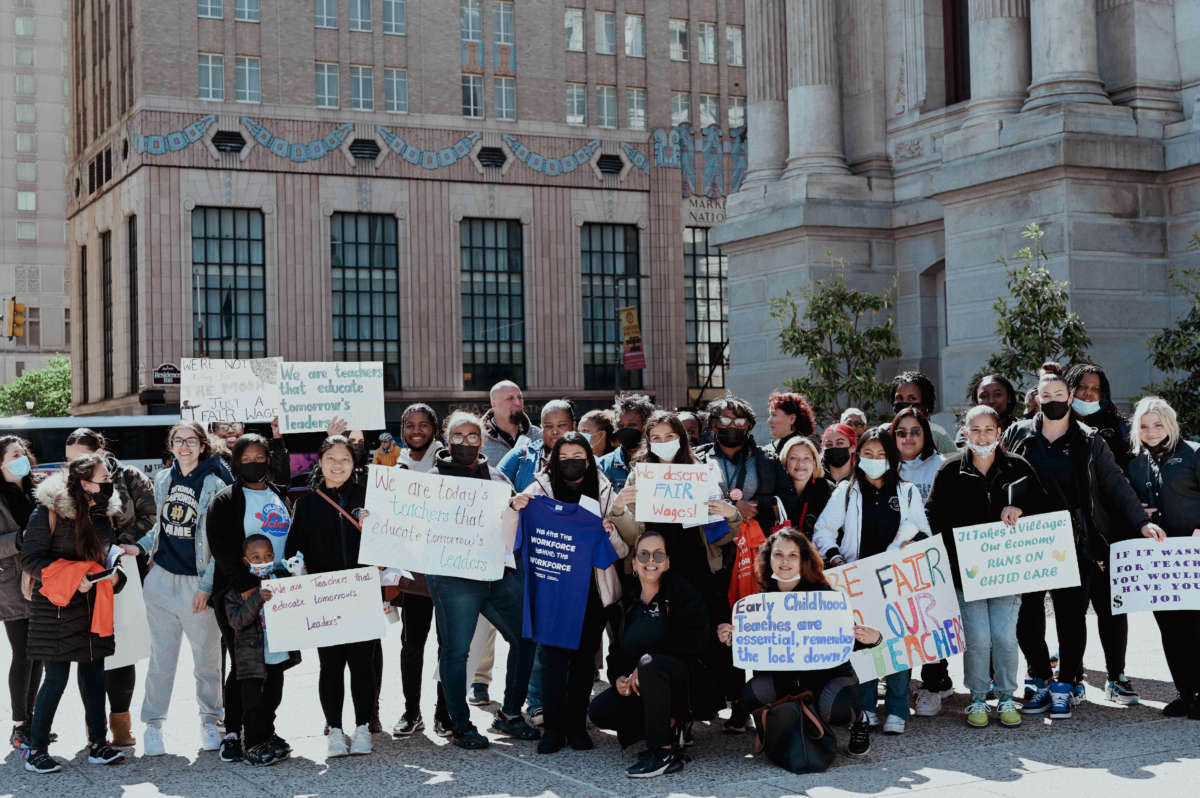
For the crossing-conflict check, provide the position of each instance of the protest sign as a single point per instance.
(908, 595)
(1147, 575)
(313, 393)
(324, 609)
(229, 390)
(797, 631)
(1000, 560)
(673, 494)
(131, 630)
(434, 524)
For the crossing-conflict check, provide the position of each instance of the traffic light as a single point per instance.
(14, 319)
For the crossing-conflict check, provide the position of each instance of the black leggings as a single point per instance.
(664, 683)
(360, 658)
(260, 699)
(567, 673)
(1113, 629)
(1180, 631)
(231, 690)
(834, 691)
(24, 675)
(416, 615)
(1070, 619)
(92, 689)
(119, 684)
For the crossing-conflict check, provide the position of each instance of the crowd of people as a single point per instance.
(212, 530)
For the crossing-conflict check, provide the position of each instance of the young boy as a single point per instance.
(260, 670)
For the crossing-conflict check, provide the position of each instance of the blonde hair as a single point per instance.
(800, 440)
(1159, 407)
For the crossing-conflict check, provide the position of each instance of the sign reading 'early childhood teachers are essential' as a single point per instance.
(673, 493)
(313, 393)
(435, 524)
(1145, 575)
(796, 631)
(324, 609)
(996, 559)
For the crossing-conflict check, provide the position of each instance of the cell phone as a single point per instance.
(99, 575)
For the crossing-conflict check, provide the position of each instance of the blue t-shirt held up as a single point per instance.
(560, 543)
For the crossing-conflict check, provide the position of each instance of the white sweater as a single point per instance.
(921, 472)
(844, 515)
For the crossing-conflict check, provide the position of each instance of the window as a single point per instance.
(611, 280)
(325, 13)
(248, 80)
(26, 142)
(209, 9)
(360, 15)
(506, 98)
(956, 49)
(395, 83)
(681, 108)
(606, 33)
(470, 20)
(26, 84)
(472, 96)
(576, 104)
(229, 295)
(27, 231)
(706, 312)
(362, 88)
(366, 300)
(735, 45)
(23, 55)
(573, 24)
(710, 110)
(395, 17)
(211, 78)
(635, 109)
(33, 327)
(26, 172)
(27, 200)
(133, 307)
(635, 36)
(606, 106)
(493, 307)
(83, 320)
(106, 310)
(679, 39)
(23, 26)
(706, 42)
(327, 85)
(502, 23)
(737, 112)
(246, 11)
(26, 113)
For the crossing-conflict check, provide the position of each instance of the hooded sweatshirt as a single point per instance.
(921, 471)
(179, 517)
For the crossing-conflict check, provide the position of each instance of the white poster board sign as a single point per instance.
(229, 390)
(673, 494)
(434, 524)
(1000, 560)
(1147, 575)
(130, 627)
(796, 631)
(313, 393)
(324, 609)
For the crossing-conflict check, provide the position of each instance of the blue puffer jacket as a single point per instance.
(522, 465)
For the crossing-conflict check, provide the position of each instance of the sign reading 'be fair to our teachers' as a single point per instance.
(1038, 553)
(671, 493)
(324, 609)
(797, 631)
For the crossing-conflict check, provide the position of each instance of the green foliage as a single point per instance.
(842, 335)
(1176, 351)
(49, 388)
(1034, 323)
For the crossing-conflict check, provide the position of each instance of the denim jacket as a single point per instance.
(213, 485)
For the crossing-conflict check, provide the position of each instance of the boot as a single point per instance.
(120, 725)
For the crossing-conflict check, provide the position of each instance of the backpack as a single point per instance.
(794, 736)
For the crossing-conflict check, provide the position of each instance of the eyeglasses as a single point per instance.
(659, 556)
(471, 438)
(190, 443)
(916, 433)
(726, 421)
(856, 424)
(225, 429)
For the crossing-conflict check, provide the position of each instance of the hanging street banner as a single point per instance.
(634, 357)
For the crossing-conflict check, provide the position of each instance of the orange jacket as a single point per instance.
(60, 582)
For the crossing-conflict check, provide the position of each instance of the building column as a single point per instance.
(766, 79)
(1066, 62)
(815, 143)
(1000, 66)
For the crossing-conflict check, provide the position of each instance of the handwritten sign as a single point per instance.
(797, 631)
(324, 609)
(674, 494)
(434, 524)
(313, 393)
(131, 630)
(229, 390)
(1147, 575)
(1000, 560)
(909, 596)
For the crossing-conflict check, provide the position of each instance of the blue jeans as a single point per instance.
(457, 605)
(990, 626)
(535, 681)
(895, 700)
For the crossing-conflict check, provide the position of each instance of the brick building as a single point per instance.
(466, 190)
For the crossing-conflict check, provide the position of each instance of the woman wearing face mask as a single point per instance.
(799, 456)
(914, 389)
(631, 412)
(1078, 472)
(597, 426)
(1091, 403)
(984, 484)
(838, 444)
(521, 465)
(252, 505)
(1165, 472)
(66, 550)
(790, 415)
(873, 512)
(17, 483)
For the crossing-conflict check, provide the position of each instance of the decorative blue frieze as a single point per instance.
(551, 167)
(297, 153)
(428, 159)
(172, 142)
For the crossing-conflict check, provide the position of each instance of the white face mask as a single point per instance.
(665, 450)
(873, 468)
(783, 581)
(983, 451)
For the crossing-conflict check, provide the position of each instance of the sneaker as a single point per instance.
(872, 718)
(264, 754)
(1177, 708)
(1031, 688)
(210, 737)
(231, 748)
(20, 736)
(479, 695)
(978, 713)
(1120, 691)
(860, 737)
(1078, 693)
(656, 763)
(582, 741)
(281, 745)
(514, 726)
(929, 703)
(552, 741)
(470, 739)
(894, 725)
(152, 742)
(103, 754)
(375, 726)
(1010, 717)
(408, 725)
(1060, 700)
(337, 744)
(536, 717)
(738, 720)
(1039, 702)
(361, 744)
(443, 726)
(41, 762)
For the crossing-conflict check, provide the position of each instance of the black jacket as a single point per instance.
(962, 496)
(1170, 484)
(226, 532)
(674, 623)
(328, 540)
(279, 458)
(1114, 429)
(248, 638)
(809, 505)
(16, 504)
(772, 481)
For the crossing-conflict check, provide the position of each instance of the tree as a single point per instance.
(843, 335)
(1176, 350)
(1035, 322)
(49, 388)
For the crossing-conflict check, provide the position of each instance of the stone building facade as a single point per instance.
(917, 138)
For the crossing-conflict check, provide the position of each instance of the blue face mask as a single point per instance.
(261, 569)
(20, 467)
(1085, 408)
(873, 468)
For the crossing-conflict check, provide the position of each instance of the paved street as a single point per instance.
(1103, 750)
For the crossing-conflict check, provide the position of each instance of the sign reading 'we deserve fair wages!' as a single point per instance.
(1000, 560)
(797, 631)
(434, 524)
(324, 609)
(313, 393)
(671, 493)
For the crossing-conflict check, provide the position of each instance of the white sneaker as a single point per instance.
(928, 703)
(872, 718)
(894, 725)
(337, 743)
(210, 737)
(361, 744)
(152, 742)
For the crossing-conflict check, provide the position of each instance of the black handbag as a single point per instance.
(793, 735)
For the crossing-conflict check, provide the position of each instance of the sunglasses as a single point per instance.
(222, 429)
(726, 421)
(659, 556)
(900, 433)
(470, 438)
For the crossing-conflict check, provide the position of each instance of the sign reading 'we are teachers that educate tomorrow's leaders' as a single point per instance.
(1037, 553)
(326, 609)
(313, 393)
(796, 631)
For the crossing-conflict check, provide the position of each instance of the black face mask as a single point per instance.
(837, 456)
(1160, 448)
(253, 471)
(463, 454)
(1055, 410)
(629, 437)
(731, 437)
(572, 470)
(898, 406)
(105, 493)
